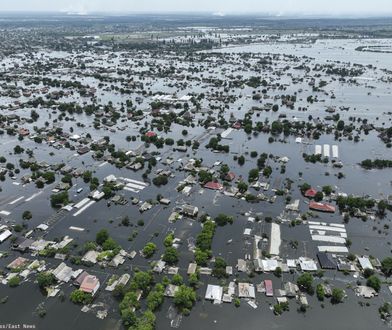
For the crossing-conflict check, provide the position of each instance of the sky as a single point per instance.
(273, 7)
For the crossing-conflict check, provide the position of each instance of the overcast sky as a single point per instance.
(280, 7)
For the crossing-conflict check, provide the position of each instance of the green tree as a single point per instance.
(45, 279)
(386, 266)
(155, 297)
(80, 297)
(374, 282)
(184, 298)
(101, 236)
(305, 282)
(149, 249)
(337, 295)
(14, 281)
(170, 255)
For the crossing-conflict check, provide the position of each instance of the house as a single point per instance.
(213, 185)
(230, 176)
(63, 273)
(214, 293)
(150, 134)
(80, 278)
(83, 150)
(159, 266)
(171, 290)
(310, 193)
(22, 244)
(291, 289)
(269, 291)
(18, 263)
(189, 210)
(90, 285)
(322, 207)
(236, 125)
(192, 268)
(246, 290)
(4, 235)
(307, 264)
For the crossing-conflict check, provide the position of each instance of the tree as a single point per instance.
(320, 292)
(278, 272)
(337, 295)
(149, 249)
(327, 190)
(101, 236)
(146, 322)
(168, 241)
(340, 125)
(241, 160)
(242, 187)
(80, 297)
(374, 282)
(386, 266)
(305, 282)
(142, 280)
(45, 279)
(170, 255)
(56, 200)
(177, 279)
(184, 298)
(194, 280)
(319, 196)
(155, 297)
(160, 180)
(219, 270)
(201, 257)
(223, 219)
(109, 244)
(14, 281)
(253, 175)
(27, 215)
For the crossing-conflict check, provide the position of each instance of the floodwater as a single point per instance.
(20, 307)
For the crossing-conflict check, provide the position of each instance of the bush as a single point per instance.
(337, 296)
(80, 297)
(149, 250)
(170, 255)
(14, 281)
(374, 282)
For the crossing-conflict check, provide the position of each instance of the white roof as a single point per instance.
(4, 235)
(42, 226)
(307, 264)
(365, 263)
(214, 292)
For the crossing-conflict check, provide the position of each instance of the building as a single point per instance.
(310, 193)
(326, 261)
(189, 210)
(214, 293)
(322, 207)
(246, 290)
(90, 284)
(269, 291)
(213, 185)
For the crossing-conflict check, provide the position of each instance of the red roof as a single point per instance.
(237, 125)
(311, 192)
(323, 207)
(230, 176)
(151, 134)
(213, 185)
(89, 284)
(269, 292)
